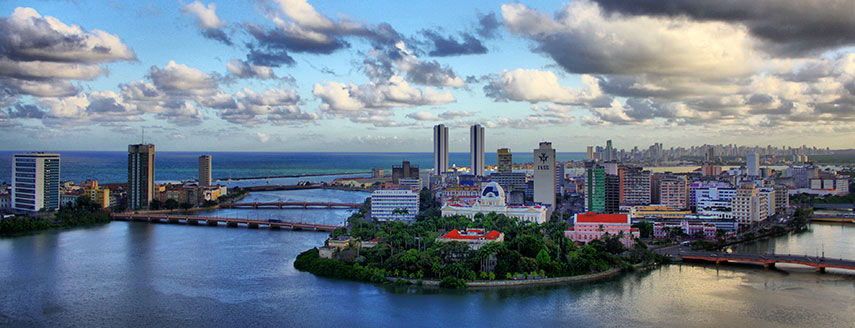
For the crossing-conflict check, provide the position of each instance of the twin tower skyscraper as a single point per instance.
(476, 149)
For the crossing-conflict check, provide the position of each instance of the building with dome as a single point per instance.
(492, 199)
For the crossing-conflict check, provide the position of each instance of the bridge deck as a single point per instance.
(291, 205)
(214, 219)
(771, 259)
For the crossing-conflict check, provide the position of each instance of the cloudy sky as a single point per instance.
(287, 75)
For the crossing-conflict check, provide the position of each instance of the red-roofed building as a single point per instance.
(591, 226)
(474, 237)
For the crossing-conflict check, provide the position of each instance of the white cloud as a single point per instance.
(262, 137)
(182, 79)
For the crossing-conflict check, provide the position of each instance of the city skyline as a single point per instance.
(295, 76)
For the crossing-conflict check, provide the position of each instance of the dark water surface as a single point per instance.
(133, 274)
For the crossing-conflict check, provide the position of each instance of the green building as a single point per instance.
(595, 189)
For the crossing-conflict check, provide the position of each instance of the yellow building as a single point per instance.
(657, 211)
(98, 195)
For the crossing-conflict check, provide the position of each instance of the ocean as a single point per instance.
(112, 166)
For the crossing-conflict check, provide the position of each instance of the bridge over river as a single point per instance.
(229, 222)
(293, 205)
(769, 260)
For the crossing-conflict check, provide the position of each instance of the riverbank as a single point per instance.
(477, 284)
(64, 219)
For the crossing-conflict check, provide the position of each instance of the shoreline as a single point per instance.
(487, 284)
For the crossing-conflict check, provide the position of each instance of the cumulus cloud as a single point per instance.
(447, 115)
(39, 55)
(371, 102)
(182, 79)
(791, 27)
(243, 69)
(442, 46)
(279, 106)
(300, 28)
(207, 20)
(262, 137)
(382, 65)
(488, 26)
(535, 86)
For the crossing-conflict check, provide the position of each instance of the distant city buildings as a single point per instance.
(504, 159)
(140, 175)
(391, 205)
(752, 164)
(404, 171)
(35, 182)
(205, 170)
(440, 149)
(476, 150)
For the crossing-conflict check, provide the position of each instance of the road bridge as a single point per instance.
(229, 222)
(769, 260)
(293, 205)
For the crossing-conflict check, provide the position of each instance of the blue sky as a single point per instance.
(288, 75)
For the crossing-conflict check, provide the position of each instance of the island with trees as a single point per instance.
(410, 253)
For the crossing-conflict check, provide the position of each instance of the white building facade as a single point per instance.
(389, 205)
(544, 174)
(35, 182)
(492, 199)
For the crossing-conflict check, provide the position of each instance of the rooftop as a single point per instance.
(592, 217)
(471, 234)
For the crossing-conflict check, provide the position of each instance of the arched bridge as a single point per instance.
(229, 222)
(292, 205)
(769, 260)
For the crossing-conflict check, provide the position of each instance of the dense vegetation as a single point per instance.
(84, 212)
(405, 250)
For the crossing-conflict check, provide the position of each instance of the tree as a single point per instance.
(645, 228)
(154, 204)
(171, 204)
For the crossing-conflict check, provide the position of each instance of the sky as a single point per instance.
(291, 75)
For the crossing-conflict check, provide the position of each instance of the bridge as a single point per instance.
(769, 260)
(819, 206)
(229, 222)
(293, 205)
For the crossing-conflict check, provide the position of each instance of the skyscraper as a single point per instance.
(595, 188)
(634, 185)
(476, 149)
(35, 181)
(440, 149)
(505, 161)
(544, 174)
(753, 164)
(609, 151)
(590, 153)
(204, 170)
(140, 175)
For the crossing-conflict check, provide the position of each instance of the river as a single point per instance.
(135, 274)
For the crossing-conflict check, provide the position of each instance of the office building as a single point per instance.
(590, 153)
(592, 226)
(769, 194)
(634, 186)
(749, 205)
(505, 163)
(670, 190)
(713, 199)
(752, 163)
(140, 175)
(595, 188)
(377, 173)
(476, 150)
(559, 178)
(405, 171)
(510, 181)
(35, 181)
(400, 205)
(710, 170)
(782, 199)
(544, 174)
(612, 196)
(205, 170)
(440, 149)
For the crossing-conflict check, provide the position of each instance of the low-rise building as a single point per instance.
(492, 199)
(343, 241)
(394, 205)
(592, 226)
(662, 229)
(5, 201)
(475, 238)
(656, 211)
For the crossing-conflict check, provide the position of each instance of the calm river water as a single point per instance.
(141, 275)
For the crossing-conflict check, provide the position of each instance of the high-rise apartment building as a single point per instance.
(590, 153)
(505, 163)
(544, 174)
(595, 188)
(35, 181)
(205, 170)
(753, 164)
(476, 150)
(634, 186)
(440, 149)
(140, 175)
(612, 196)
(671, 191)
(749, 205)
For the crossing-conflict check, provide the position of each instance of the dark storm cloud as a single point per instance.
(442, 46)
(792, 27)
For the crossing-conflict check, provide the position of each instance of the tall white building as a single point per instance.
(544, 174)
(753, 164)
(440, 149)
(476, 149)
(394, 205)
(140, 175)
(205, 170)
(35, 181)
(749, 205)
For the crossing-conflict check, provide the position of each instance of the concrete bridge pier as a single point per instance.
(231, 224)
(212, 223)
(172, 221)
(193, 222)
(275, 227)
(820, 269)
(768, 266)
(252, 225)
